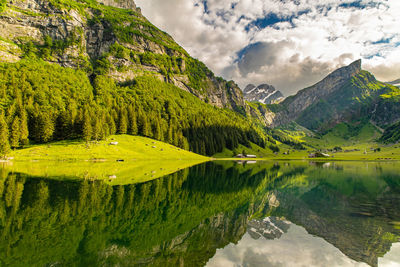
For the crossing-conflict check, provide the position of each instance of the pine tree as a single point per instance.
(15, 132)
(24, 132)
(44, 127)
(157, 130)
(133, 129)
(170, 134)
(144, 125)
(87, 127)
(123, 122)
(111, 125)
(97, 131)
(4, 144)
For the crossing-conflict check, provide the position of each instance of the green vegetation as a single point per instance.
(110, 172)
(96, 217)
(276, 107)
(357, 98)
(391, 134)
(3, 5)
(253, 149)
(129, 148)
(55, 103)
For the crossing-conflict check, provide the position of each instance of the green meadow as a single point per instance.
(128, 148)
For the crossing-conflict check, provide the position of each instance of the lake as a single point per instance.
(213, 214)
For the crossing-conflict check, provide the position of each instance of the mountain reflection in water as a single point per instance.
(216, 214)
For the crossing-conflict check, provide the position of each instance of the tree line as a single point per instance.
(42, 102)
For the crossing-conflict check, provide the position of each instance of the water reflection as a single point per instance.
(292, 246)
(338, 213)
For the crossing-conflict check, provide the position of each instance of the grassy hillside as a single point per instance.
(391, 134)
(129, 148)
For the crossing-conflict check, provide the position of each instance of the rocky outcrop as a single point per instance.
(127, 4)
(264, 93)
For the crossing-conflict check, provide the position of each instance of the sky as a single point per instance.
(294, 246)
(290, 44)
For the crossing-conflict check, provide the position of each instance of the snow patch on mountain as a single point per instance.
(264, 93)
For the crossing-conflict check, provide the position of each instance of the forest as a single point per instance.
(43, 102)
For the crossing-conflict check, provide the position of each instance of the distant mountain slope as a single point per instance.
(395, 82)
(264, 93)
(343, 95)
(391, 134)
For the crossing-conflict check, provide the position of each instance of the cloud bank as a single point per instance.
(290, 44)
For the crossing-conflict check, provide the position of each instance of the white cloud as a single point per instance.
(320, 36)
(294, 246)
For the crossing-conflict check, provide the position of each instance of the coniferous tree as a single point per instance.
(86, 126)
(157, 130)
(133, 128)
(123, 122)
(4, 144)
(44, 127)
(170, 135)
(111, 125)
(143, 124)
(97, 131)
(15, 134)
(24, 132)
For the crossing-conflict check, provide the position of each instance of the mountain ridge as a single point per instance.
(395, 82)
(263, 93)
(346, 93)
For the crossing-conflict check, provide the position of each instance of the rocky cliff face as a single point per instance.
(127, 4)
(107, 37)
(264, 93)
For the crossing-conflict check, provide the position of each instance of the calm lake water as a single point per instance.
(213, 214)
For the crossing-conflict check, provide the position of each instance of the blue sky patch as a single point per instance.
(272, 18)
(358, 4)
(383, 41)
(205, 6)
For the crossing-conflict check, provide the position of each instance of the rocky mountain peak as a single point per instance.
(248, 88)
(264, 93)
(127, 4)
(295, 105)
(346, 71)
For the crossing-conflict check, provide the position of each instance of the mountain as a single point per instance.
(264, 93)
(346, 94)
(395, 82)
(90, 69)
(110, 37)
(269, 228)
